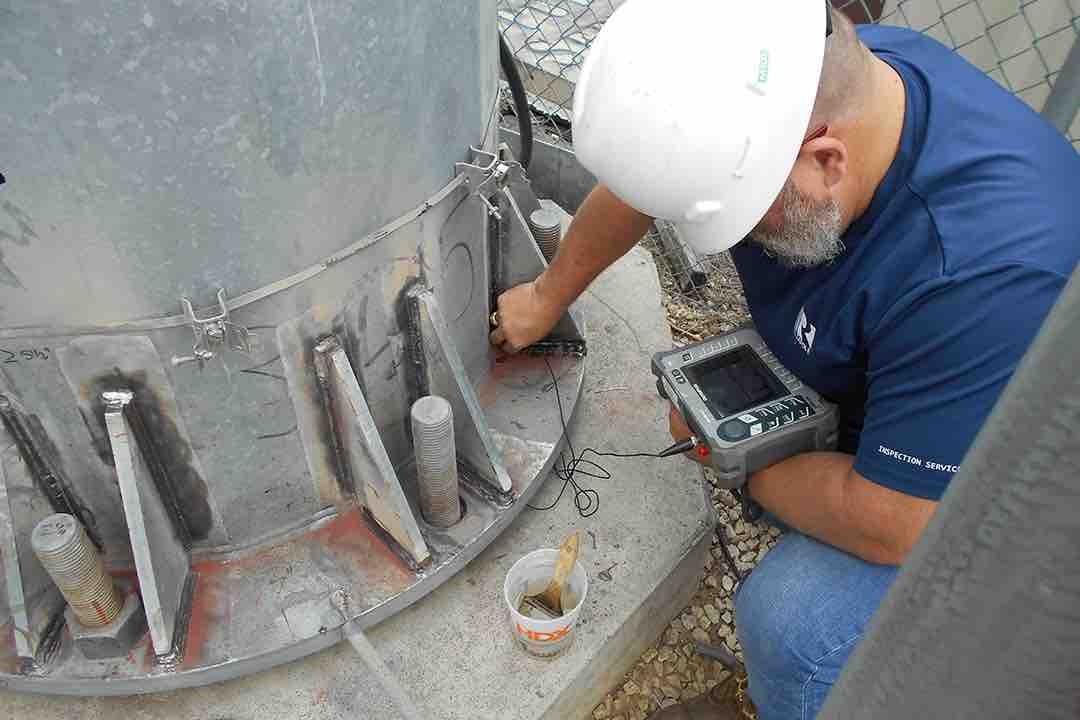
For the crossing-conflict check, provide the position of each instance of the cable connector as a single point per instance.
(679, 448)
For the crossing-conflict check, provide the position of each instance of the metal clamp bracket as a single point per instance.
(487, 175)
(213, 332)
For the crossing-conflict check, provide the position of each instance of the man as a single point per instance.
(926, 225)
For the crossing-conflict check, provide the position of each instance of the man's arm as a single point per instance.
(821, 495)
(603, 230)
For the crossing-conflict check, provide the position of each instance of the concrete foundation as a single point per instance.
(644, 551)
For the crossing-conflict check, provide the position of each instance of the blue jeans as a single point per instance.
(799, 615)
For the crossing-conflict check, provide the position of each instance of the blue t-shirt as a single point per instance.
(946, 278)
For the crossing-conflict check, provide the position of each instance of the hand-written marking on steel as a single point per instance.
(10, 357)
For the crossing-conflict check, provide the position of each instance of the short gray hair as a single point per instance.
(845, 73)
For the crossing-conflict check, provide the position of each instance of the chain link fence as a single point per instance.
(1023, 44)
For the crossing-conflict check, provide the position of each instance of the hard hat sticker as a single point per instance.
(763, 67)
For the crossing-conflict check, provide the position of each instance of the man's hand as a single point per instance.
(603, 229)
(680, 431)
(524, 317)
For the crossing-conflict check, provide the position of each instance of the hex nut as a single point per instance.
(115, 639)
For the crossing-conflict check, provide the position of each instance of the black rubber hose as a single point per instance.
(521, 103)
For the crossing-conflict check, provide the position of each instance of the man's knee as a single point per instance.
(770, 611)
(804, 602)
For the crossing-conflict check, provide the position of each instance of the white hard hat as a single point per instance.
(694, 110)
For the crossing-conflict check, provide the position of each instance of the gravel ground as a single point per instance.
(670, 670)
(718, 307)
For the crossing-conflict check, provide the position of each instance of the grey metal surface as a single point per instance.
(162, 562)
(522, 259)
(556, 172)
(289, 171)
(982, 620)
(39, 454)
(453, 649)
(190, 149)
(270, 604)
(291, 576)
(30, 600)
(216, 130)
(115, 639)
(360, 447)
(16, 611)
(361, 303)
(1064, 102)
(76, 567)
(436, 460)
(446, 377)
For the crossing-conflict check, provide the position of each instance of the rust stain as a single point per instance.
(209, 609)
(262, 557)
(506, 367)
(487, 392)
(349, 538)
(520, 372)
(149, 661)
(9, 661)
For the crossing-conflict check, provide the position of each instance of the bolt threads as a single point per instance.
(64, 549)
(546, 226)
(436, 460)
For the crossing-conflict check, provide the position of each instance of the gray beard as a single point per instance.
(809, 235)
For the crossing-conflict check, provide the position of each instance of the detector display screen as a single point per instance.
(734, 381)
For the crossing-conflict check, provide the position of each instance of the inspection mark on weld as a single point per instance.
(271, 436)
(273, 376)
(371, 361)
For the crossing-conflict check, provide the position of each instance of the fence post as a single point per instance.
(984, 618)
(1064, 101)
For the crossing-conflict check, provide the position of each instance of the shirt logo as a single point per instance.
(804, 331)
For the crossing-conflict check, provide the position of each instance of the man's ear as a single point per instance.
(830, 158)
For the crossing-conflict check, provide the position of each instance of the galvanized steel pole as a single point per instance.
(984, 619)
